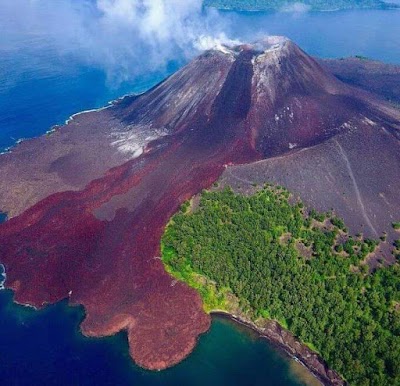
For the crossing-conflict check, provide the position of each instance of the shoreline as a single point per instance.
(58, 126)
(73, 116)
(3, 276)
(274, 334)
(279, 338)
(220, 314)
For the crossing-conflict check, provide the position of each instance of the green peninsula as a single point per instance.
(301, 268)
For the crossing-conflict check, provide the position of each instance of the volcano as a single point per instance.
(88, 204)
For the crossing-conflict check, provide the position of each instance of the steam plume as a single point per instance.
(124, 37)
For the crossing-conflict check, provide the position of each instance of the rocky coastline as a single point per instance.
(285, 341)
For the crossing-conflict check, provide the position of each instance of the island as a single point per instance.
(298, 6)
(88, 205)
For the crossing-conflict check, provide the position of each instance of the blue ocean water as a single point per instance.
(370, 33)
(40, 88)
(45, 348)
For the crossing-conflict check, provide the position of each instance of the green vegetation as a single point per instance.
(293, 5)
(396, 225)
(300, 269)
(361, 57)
(213, 299)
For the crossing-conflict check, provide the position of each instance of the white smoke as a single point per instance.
(124, 37)
(219, 42)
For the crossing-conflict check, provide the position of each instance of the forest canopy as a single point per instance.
(297, 267)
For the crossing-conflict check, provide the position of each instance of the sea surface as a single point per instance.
(39, 87)
(46, 348)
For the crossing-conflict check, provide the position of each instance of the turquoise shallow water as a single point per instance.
(40, 88)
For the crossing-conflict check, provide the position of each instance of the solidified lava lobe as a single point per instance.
(101, 245)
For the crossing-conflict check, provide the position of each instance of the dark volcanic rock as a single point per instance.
(377, 77)
(97, 239)
(356, 173)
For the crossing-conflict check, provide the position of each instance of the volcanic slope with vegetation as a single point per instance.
(300, 268)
